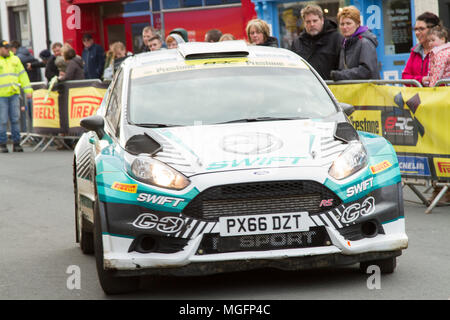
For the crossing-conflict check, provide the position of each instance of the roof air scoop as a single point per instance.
(206, 50)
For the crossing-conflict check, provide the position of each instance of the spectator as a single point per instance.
(25, 56)
(12, 77)
(258, 33)
(93, 57)
(147, 33)
(74, 69)
(173, 40)
(227, 37)
(51, 69)
(358, 55)
(320, 41)
(213, 35)
(439, 56)
(155, 43)
(114, 57)
(418, 62)
(182, 32)
(60, 63)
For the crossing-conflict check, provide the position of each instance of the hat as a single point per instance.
(176, 37)
(182, 32)
(4, 44)
(45, 54)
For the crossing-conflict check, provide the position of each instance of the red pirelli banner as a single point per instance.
(61, 109)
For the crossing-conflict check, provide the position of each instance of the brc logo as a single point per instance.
(398, 124)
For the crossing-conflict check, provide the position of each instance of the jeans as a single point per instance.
(9, 110)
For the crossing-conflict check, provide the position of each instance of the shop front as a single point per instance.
(112, 20)
(390, 20)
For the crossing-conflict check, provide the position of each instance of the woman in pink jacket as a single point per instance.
(417, 65)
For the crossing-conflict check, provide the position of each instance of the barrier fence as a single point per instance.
(413, 118)
(56, 113)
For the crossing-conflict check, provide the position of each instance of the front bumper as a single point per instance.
(342, 240)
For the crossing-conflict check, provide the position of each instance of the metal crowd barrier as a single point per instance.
(41, 142)
(429, 183)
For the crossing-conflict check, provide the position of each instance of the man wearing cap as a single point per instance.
(12, 77)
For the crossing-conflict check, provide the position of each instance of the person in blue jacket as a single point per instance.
(94, 58)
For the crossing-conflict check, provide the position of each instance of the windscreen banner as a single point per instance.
(415, 120)
(60, 109)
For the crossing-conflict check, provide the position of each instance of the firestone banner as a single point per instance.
(415, 120)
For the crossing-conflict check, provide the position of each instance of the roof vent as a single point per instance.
(209, 50)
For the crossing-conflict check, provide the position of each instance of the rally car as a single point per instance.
(220, 157)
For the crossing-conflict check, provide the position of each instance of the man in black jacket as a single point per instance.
(320, 42)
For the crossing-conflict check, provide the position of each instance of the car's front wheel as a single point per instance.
(109, 282)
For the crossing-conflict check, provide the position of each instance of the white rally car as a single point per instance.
(225, 157)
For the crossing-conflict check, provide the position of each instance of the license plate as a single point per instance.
(262, 224)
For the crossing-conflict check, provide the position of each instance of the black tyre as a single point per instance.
(386, 266)
(110, 283)
(83, 236)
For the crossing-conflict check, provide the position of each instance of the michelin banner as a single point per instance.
(61, 109)
(415, 120)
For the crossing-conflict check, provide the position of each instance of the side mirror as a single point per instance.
(348, 109)
(94, 123)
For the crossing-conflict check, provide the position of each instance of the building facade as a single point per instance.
(112, 20)
(36, 24)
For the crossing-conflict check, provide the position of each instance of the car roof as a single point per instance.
(218, 52)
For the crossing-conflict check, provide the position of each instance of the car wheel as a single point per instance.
(110, 283)
(386, 266)
(84, 237)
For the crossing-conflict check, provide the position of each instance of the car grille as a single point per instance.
(260, 198)
(214, 243)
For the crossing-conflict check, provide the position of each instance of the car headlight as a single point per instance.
(154, 172)
(351, 160)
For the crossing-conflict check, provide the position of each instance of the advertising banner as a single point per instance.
(415, 120)
(61, 109)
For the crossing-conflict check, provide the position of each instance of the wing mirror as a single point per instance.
(94, 123)
(348, 109)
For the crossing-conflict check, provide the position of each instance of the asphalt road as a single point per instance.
(39, 256)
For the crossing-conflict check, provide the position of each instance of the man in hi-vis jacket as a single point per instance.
(12, 77)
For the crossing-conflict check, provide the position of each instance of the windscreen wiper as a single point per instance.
(155, 125)
(262, 119)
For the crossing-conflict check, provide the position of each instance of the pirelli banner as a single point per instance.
(60, 109)
(415, 120)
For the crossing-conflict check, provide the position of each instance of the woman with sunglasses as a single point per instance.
(417, 65)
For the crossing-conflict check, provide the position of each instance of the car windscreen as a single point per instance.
(223, 94)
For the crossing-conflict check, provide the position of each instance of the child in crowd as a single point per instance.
(439, 56)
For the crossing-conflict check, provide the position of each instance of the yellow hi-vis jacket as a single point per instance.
(13, 76)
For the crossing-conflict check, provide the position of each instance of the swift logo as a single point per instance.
(161, 200)
(363, 186)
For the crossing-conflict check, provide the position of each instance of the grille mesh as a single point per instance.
(260, 198)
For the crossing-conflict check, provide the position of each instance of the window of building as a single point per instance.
(398, 35)
(19, 25)
(291, 23)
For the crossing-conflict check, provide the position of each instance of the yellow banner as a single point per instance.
(83, 102)
(45, 111)
(414, 120)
